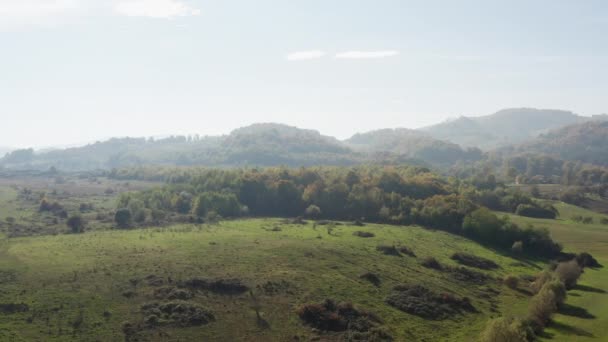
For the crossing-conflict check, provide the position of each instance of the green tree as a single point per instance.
(76, 224)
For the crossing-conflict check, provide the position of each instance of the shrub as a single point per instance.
(542, 306)
(364, 234)
(431, 262)
(388, 250)
(536, 211)
(540, 281)
(371, 277)
(312, 211)
(421, 301)
(506, 329)
(474, 261)
(558, 289)
(587, 220)
(123, 218)
(518, 247)
(329, 316)
(604, 220)
(569, 272)
(76, 224)
(511, 281)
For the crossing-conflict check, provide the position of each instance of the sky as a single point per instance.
(77, 71)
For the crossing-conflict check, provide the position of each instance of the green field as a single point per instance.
(590, 321)
(86, 287)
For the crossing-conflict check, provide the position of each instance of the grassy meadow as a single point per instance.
(93, 286)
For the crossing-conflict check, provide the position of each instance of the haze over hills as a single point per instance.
(413, 144)
(271, 144)
(586, 142)
(505, 127)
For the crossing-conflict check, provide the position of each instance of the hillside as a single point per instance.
(106, 282)
(256, 145)
(508, 126)
(265, 144)
(413, 144)
(586, 142)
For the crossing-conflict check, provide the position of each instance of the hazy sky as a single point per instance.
(74, 71)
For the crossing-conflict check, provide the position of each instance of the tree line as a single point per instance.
(398, 195)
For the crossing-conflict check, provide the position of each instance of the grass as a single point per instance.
(65, 277)
(75, 285)
(588, 321)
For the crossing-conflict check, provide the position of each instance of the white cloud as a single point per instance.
(155, 8)
(305, 55)
(35, 8)
(367, 54)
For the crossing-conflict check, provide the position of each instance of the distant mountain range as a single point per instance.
(509, 132)
(506, 127)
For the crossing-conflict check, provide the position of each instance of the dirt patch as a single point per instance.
(364, 234)
(220, 286)
(474, 261)
(13, 308)
(466, 275)
(329, 316)
(372, 278)
(388, 250)
(172, 293)
(179, 313)
(421, 301)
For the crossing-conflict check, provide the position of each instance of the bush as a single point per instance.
(517, 247)
(587, 220)
(604, 220)
(123, 218)
(364, 234)
(541, 280)
(511, 281)
(506, 329)
(536, 211)
(388, 250)
(542, 306)
(421, 301)
(568, 273)
(430, 262)
(558, 289)
(76, 224)
(474, 261)
(313, 211)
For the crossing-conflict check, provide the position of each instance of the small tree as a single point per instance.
(518, 247)
(506, 329)
(123, 218)
(76, 224)
(313, 211)
(569, 272)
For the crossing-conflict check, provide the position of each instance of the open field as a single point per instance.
(77, 278)
(95, 286)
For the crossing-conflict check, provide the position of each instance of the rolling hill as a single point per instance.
(506, 127)
(586, 142)
(413, 144)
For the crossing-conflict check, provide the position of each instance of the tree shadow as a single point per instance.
(570, 330)
(586, 288)
(575, 311)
